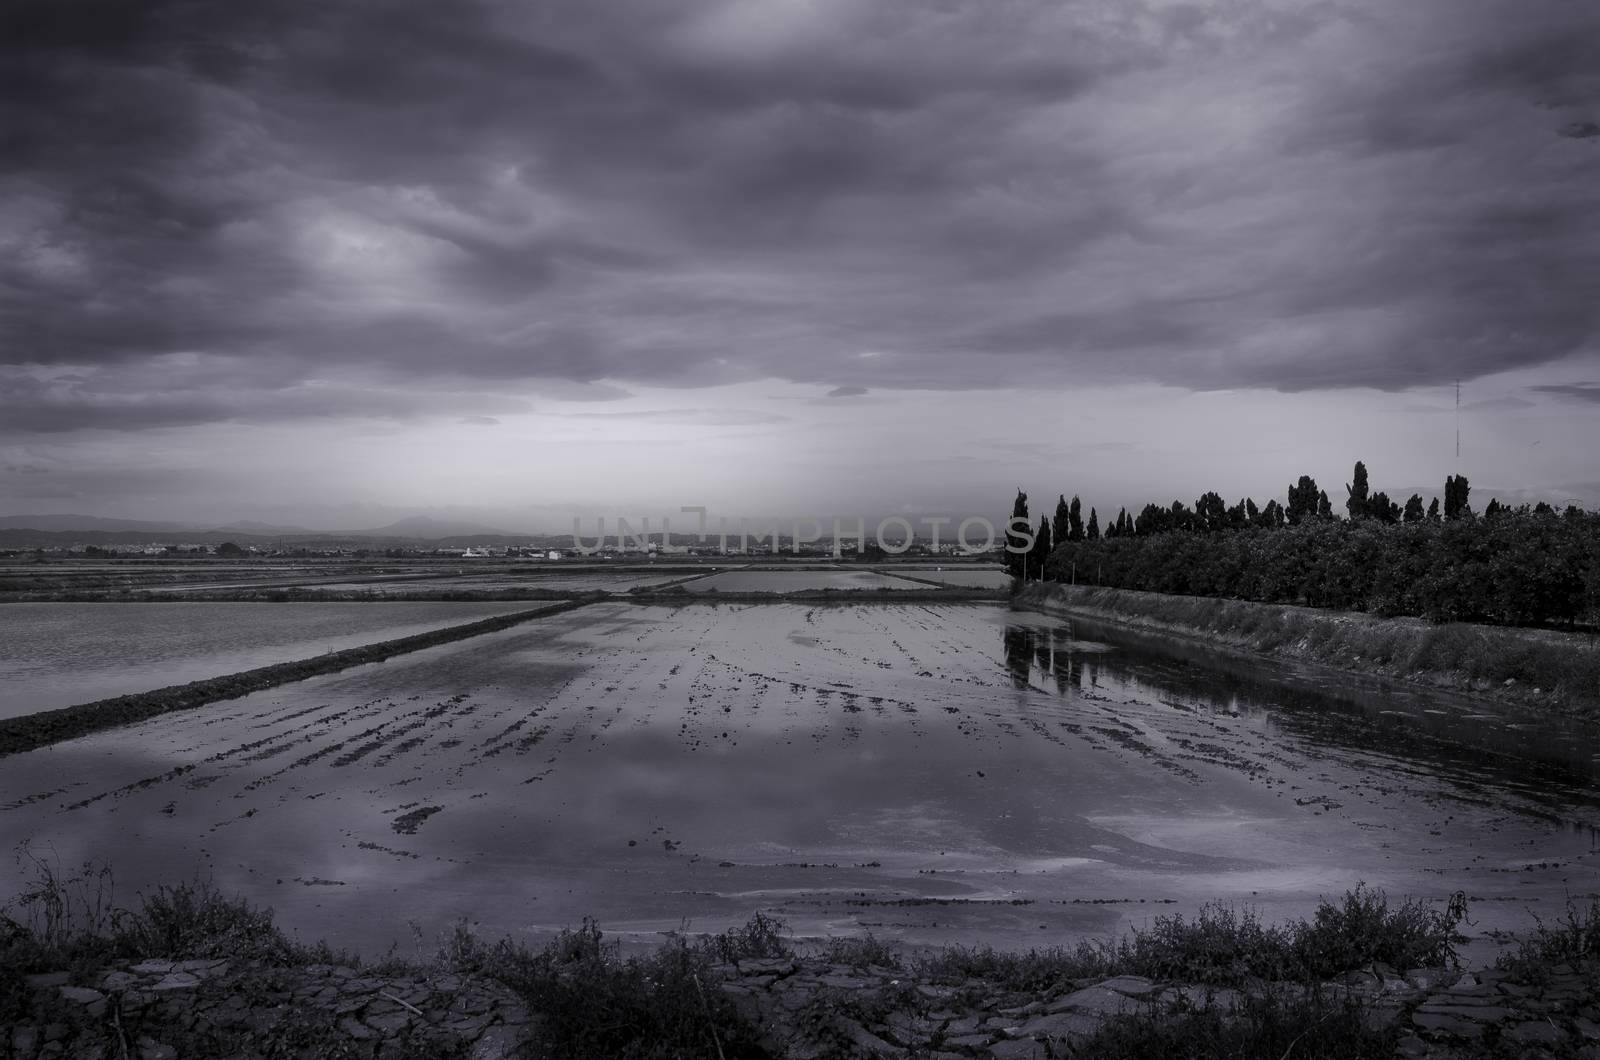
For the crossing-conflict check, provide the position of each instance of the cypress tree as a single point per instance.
(1455, 497)
(1016, 562)
(1094, 526)
(1433, 511)
(1324, 507)
(1041, 548)
(1357, 504)
(1302, 500)
(1413, 512)
(1075, 520)
(1210, 513)
(1058, 529)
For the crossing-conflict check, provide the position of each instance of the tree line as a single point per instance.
(1523, 566)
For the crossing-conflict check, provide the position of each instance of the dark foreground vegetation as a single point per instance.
(589, 1002)
(1223, 946)
(1527, 566)
(30, 731)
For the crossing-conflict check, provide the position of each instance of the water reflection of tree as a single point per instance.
(1018, 643)
(1064, 665)
(1051, 650)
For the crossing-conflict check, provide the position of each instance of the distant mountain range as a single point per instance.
(85, 522)
(251, 526)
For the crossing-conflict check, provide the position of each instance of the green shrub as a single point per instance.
(593, 1005)
(860, 952)
(1362, 930)
(194, 921)
(1031, 971)
(1270, 1026)
(1220, 945)
(1575, 937)
(760, 937)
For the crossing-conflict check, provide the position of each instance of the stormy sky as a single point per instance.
(329, 260)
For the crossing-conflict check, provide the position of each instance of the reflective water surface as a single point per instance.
(929, 773)
(59, 655)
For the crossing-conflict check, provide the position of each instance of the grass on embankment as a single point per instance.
(1225, 947)
(1564, 667)
(32, 731)
(591, 1003)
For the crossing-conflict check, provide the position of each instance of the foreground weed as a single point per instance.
(196, 921)
(1273, 1025)
(63, 908)
(1573, 938)
(860, 952)
(1223, 946)
(760, 937)
(1220, 945)
(1033, 971)
(594, 1005)
(1362, 930)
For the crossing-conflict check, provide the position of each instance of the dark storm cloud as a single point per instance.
(1575, 391)
(340, 208)
(186, 393)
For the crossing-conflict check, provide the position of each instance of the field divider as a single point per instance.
(669, 586)
(32, 731)
(676, 595)
(997, 590)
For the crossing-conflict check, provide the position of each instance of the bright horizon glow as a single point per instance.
(772, 450)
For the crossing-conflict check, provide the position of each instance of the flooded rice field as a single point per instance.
(544, 580)
(59, 655)
(448, 579)
(964, 577)
(932, 774)
(790, 581)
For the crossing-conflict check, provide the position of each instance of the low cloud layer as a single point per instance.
(224, 212)
(1576, 391)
